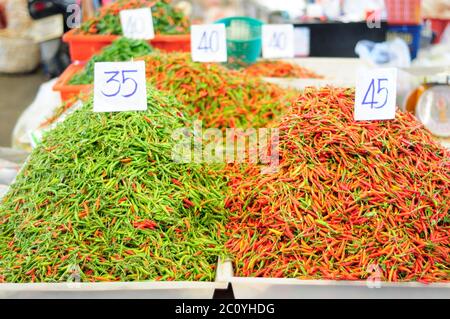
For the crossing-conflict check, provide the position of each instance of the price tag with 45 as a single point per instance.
(120, 86)
(376, 94)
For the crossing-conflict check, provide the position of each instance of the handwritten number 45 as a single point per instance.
(119, 83)
(380, 92)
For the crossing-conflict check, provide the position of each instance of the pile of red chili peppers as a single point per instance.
(349, 197)
(280, 69)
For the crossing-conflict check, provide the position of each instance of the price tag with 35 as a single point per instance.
(209, 43)
(376, 94)
(120, 86)
(137, 23)
(278, 41)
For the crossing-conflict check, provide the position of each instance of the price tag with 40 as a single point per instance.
(208, 43)
(137, 23)
(278, 41)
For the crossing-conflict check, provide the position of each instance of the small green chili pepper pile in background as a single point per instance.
(166, 18)
(103, 198)
(123, 49)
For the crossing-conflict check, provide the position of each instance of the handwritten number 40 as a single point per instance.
(380, 91)
(119, 83)
(209, 43)
(278, 40)
(135, 25)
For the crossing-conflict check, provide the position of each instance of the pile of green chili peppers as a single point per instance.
(123, 49)
(102, 200)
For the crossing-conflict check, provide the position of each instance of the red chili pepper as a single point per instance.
(176, 182)
(145, 224)
(188, 203)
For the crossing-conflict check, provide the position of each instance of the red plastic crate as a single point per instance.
(67, 90)
(404, 12)
(172, 43)
(83, 46)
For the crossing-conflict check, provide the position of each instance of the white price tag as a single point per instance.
(302, 41)
(278, 41)
(120, 86)
(376, 94)
(137, 23)
(209, 43)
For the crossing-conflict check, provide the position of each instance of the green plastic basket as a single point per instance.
(243, 39)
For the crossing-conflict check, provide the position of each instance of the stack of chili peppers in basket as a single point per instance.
(167, 19)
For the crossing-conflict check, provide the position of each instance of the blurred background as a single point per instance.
(412, 35)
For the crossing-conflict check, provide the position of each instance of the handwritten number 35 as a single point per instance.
(119, 83)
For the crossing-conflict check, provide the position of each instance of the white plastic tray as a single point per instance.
(276, 288)
(123, 290)
(115, 290)
(338, 72)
